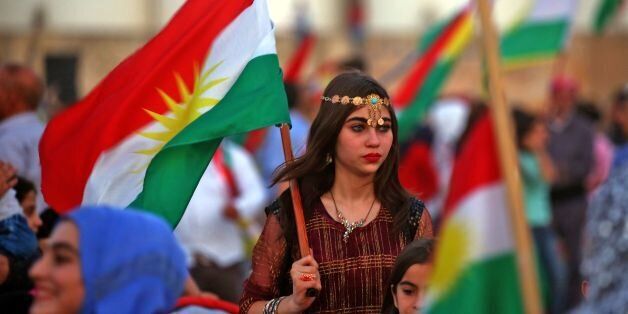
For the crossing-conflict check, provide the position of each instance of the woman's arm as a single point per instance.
(262, 287)
(267, 261)
(546, 166)
(304, 274)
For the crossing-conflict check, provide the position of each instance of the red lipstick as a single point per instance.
(372, 157)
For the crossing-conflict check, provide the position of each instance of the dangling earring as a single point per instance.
(328, 159)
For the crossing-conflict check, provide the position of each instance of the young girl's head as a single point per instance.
(531, 132)
(409, 278)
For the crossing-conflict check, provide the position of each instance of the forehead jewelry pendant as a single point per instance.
(375, 106)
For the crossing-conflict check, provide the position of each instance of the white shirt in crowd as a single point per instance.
(9, 205)
(203, 228)
(19, 146)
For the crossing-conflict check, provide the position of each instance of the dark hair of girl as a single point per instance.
(524, 122)
(417, 252)
(22, 188)
(316, 176)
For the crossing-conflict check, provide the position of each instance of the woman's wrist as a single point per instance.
(288, 305)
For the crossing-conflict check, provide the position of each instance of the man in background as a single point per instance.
(20, 128)
(571, 150)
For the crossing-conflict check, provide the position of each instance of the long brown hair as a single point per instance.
(316, 176)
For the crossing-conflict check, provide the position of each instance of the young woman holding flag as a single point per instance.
(358, 218)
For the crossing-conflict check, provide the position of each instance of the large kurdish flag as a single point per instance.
(144, 136)
(542, 35)
(475, 266)
(441, 48)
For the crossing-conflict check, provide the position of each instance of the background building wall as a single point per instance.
(102, 33)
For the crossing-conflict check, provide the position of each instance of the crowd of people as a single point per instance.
(371, 204)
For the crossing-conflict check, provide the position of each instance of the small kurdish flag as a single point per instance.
(441, 48)
(475, 264)
(542, 35)
(144, 136)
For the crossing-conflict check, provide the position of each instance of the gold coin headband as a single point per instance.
(374, 102)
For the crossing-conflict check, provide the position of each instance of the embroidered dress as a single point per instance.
(353, 273)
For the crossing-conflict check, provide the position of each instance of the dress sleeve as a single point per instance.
(268, 257)
(425, 226)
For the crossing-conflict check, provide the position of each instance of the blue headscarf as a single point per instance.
(130, 261)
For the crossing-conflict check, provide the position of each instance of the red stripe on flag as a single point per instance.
(295, 66)
(411, 84)
(476, 165)
(417, 172)
(114, 110)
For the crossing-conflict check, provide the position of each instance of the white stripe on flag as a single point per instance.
(118, 174)
(485, 216)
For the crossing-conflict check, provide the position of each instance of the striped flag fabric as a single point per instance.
(420, 87)
(475, 266)
(293, 75)
(542, 34)
(145, 135)
(604, 13)
(295, 66)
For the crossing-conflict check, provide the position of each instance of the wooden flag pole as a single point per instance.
(502, 121)
(297, 204)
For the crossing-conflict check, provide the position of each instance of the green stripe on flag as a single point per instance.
(488, 286)
(534, 41)
(257, 99)
(416, 111)
(606, 10)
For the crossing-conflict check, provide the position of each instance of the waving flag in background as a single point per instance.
(144, 136)
(475, 265)
(542, 35)
(443, 47)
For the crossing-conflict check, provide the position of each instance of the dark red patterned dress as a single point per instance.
(353, 273)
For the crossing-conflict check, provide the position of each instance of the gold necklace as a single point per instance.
(349, 226)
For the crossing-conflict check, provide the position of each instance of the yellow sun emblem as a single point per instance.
(192, 106)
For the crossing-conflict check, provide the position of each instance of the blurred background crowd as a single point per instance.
(570, 114)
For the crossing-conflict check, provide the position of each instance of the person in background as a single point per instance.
(270, 156)
(603, 147)
(571, 149)
(606, 247)
(49, 219)
(409, 279)
(355, 16)
(109, 260)
(218, 229)
(8, 179)
(619, 117)
(26, 195)
(18, 251)
(20, 129)
(537, 173)
(18, 247)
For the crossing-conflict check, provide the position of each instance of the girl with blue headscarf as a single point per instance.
(104, 260)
